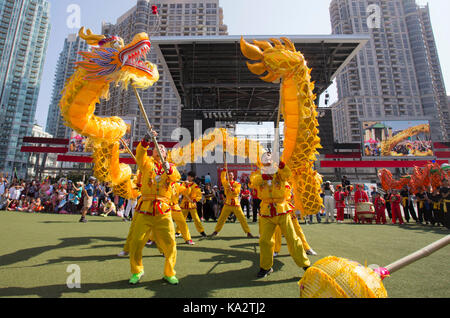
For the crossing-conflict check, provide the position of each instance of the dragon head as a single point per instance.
(112, 60)
(280, 61)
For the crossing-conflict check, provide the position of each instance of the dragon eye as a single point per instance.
(115, 45)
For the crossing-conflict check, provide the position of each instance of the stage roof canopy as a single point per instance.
(210, 73)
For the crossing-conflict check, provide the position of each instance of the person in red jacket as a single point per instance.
(339, 199)
(380, 209)
(396, 200)
(360, 197)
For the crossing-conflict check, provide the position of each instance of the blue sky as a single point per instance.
(243, 17)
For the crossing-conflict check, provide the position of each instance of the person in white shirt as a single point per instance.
(3, 185)
(5, 199)
(12, 192)
(131, 205)
(328, 201)
(18, 192)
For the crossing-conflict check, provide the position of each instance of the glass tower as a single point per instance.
(396, 75)
(177, 18)
(24, 32)
(64, 70)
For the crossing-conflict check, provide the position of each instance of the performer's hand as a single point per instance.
(166, 166)
(147, 138)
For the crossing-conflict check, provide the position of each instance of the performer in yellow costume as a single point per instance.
(153, 211)
(191, 195)
(177, 215)
(126, 247)
(297, 227)
(275, 211)
(232, 190)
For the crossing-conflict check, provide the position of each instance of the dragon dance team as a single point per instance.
(158, 207)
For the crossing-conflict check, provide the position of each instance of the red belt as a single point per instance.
(273, 212)
(156, 208)
(232, 203)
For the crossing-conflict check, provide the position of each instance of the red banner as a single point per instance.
(43, 149)
(354, 155)
(48, 141)
(84, 159)
(377, 164)
(442, 154)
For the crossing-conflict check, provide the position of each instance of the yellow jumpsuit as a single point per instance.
(232, 205)
(190, 190)
(153, 212)
(177, 215)
(297, 227)
(275, 211)
(126, 247)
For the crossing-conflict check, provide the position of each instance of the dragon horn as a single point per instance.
(270, 78)
(89, 37)
(277, 42)
(263, 44)
(257, 68)
(289, 45)
(251, 51)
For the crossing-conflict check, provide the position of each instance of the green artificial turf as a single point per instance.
(36, 250)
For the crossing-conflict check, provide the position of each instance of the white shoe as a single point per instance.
(149, 243)
(311, 252)
(177, 234)
(122, 254)
(275, 254)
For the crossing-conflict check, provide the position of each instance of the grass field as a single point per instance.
(36, 250)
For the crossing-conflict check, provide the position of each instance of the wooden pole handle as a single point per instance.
(424, 252)
(149, 125)
(128, 149)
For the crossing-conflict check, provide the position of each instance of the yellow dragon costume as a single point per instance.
(297, 106)
(111, 61)
(432, 174)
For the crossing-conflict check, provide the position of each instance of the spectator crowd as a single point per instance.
(428, 207)
(66, 197)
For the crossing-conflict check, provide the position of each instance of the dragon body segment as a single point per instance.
(301, 140)
(421, 178)
(111, 62)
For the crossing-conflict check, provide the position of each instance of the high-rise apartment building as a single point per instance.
(24, 32)
(397, 75)
(64, 70)
(176, 18)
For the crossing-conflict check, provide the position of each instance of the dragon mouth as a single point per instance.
(134, 56)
